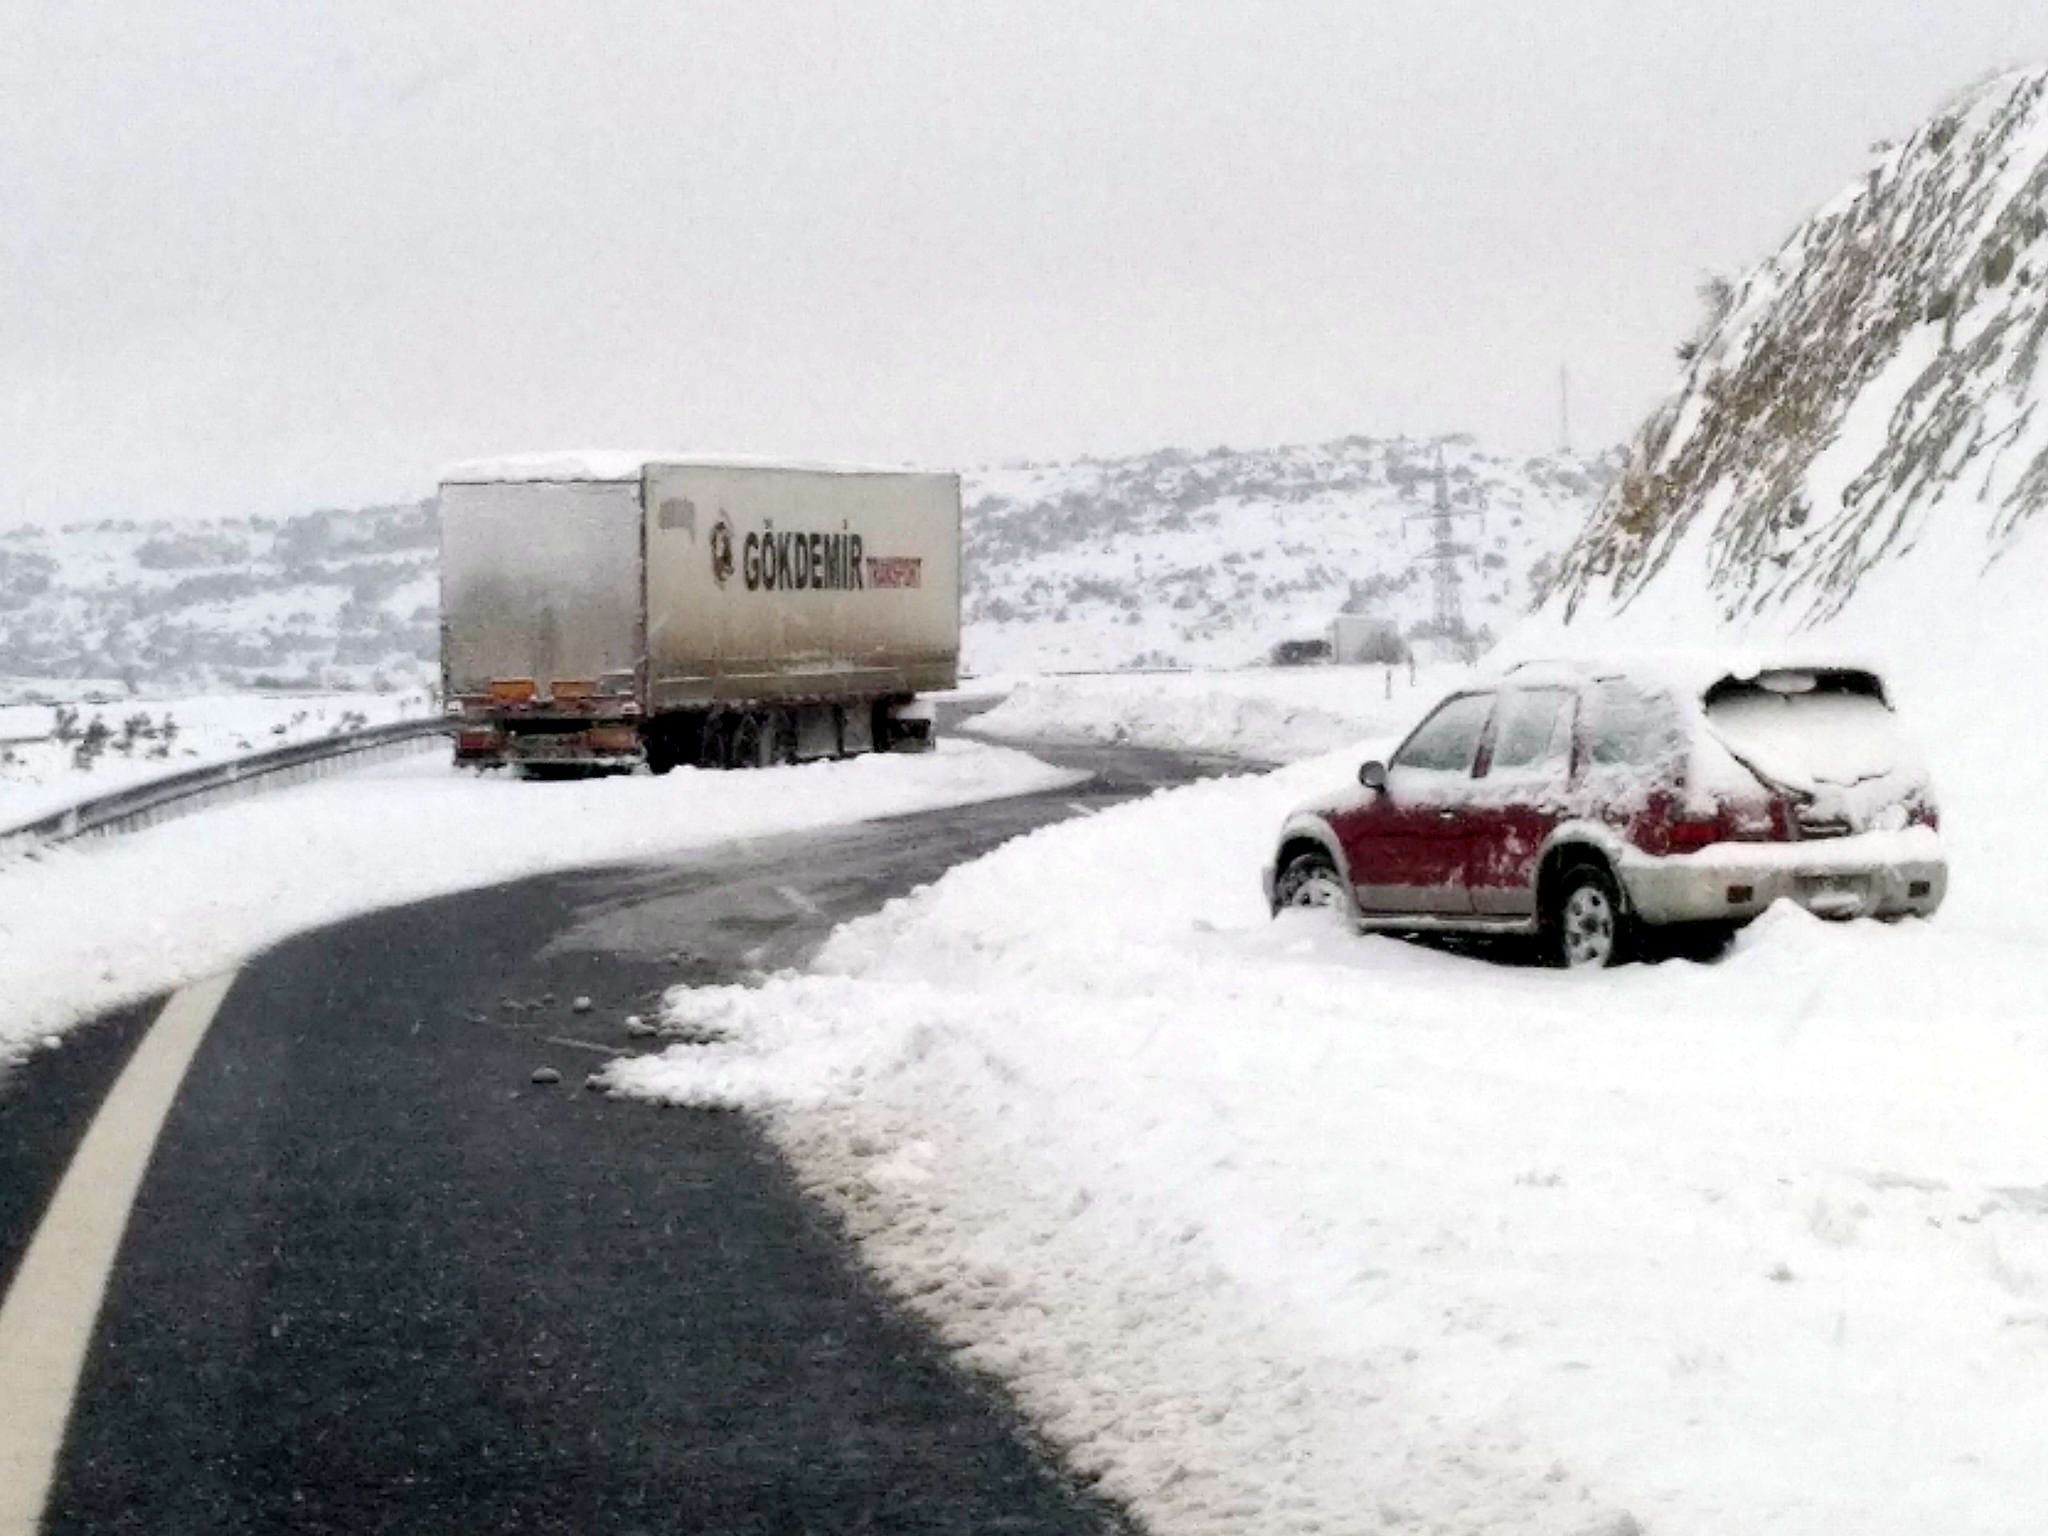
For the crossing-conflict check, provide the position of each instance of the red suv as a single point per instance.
(1589, 804)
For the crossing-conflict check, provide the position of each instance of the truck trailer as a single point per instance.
(604, 610)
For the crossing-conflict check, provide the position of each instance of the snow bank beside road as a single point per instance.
(1272, 716)
(1278, 1229)
(85, 928)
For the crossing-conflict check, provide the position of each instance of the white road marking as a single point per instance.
(1078, 808)
(47, 1319)
(799, 900)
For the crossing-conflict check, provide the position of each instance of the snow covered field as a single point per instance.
(1275, 1228)
(1263, 715)
(75, 938)
(41, 771)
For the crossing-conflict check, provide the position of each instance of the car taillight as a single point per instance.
(1691, 836)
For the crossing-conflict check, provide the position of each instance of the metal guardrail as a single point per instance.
(177, 794)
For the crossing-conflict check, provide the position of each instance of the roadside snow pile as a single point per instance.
(81, 933)
(1274, 716)
(1274, 1228)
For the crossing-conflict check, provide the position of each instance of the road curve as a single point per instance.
(377, 1279)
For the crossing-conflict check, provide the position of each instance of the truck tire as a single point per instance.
(711, 742)
(659, 744)
(751, 743)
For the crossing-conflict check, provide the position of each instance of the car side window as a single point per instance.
(1532, 734)
(1448, 740)
(1629, 726)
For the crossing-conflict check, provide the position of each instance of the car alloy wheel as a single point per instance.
(1589, 926)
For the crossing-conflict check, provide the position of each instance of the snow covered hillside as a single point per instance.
(1859, 433)
(1170, 558)
(327, 599)
(1210, 559)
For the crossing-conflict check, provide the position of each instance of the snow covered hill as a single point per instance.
(1858, 435)
(1170, 558)
(327, 599)
(1210, 559)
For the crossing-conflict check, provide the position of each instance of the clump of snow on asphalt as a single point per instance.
(80, 931)
(1262, 715)
(1273, 1227)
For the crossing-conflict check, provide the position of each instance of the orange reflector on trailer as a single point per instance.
(574, 688)
(511, 690)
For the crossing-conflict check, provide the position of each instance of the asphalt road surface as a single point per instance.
(376, 1279)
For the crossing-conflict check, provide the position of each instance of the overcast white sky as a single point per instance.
(259, 258)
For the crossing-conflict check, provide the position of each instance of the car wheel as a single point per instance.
(1310, 880)
(1588, 923)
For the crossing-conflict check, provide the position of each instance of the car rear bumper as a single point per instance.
(1872, 874)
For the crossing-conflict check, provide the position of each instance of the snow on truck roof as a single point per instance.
(614, 464)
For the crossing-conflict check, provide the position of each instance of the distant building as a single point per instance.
(1362, 637)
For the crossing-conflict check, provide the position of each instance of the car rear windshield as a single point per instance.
(1811, 728)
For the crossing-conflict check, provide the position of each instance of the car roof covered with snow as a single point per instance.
(617, 465)
(1686, 673)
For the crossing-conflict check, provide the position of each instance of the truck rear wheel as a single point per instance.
(711, 742)
(750, 743)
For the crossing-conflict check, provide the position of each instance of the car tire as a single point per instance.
(1587, 924)
(1310, 879)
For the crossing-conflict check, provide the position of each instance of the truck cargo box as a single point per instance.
(602, 607)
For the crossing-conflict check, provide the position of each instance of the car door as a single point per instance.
(1406, 843)
(1518, 797)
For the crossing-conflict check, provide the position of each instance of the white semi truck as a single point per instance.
(604, 610)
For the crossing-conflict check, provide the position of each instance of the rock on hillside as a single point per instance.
(1864, 411)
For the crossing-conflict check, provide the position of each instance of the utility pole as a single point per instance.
(1442, 557)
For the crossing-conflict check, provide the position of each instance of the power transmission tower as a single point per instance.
(1447, 586)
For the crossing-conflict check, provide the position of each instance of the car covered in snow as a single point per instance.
(1598, 806)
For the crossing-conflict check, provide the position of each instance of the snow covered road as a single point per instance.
(94, 926)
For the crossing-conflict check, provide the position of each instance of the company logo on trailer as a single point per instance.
(721, 550)
(821, 562)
